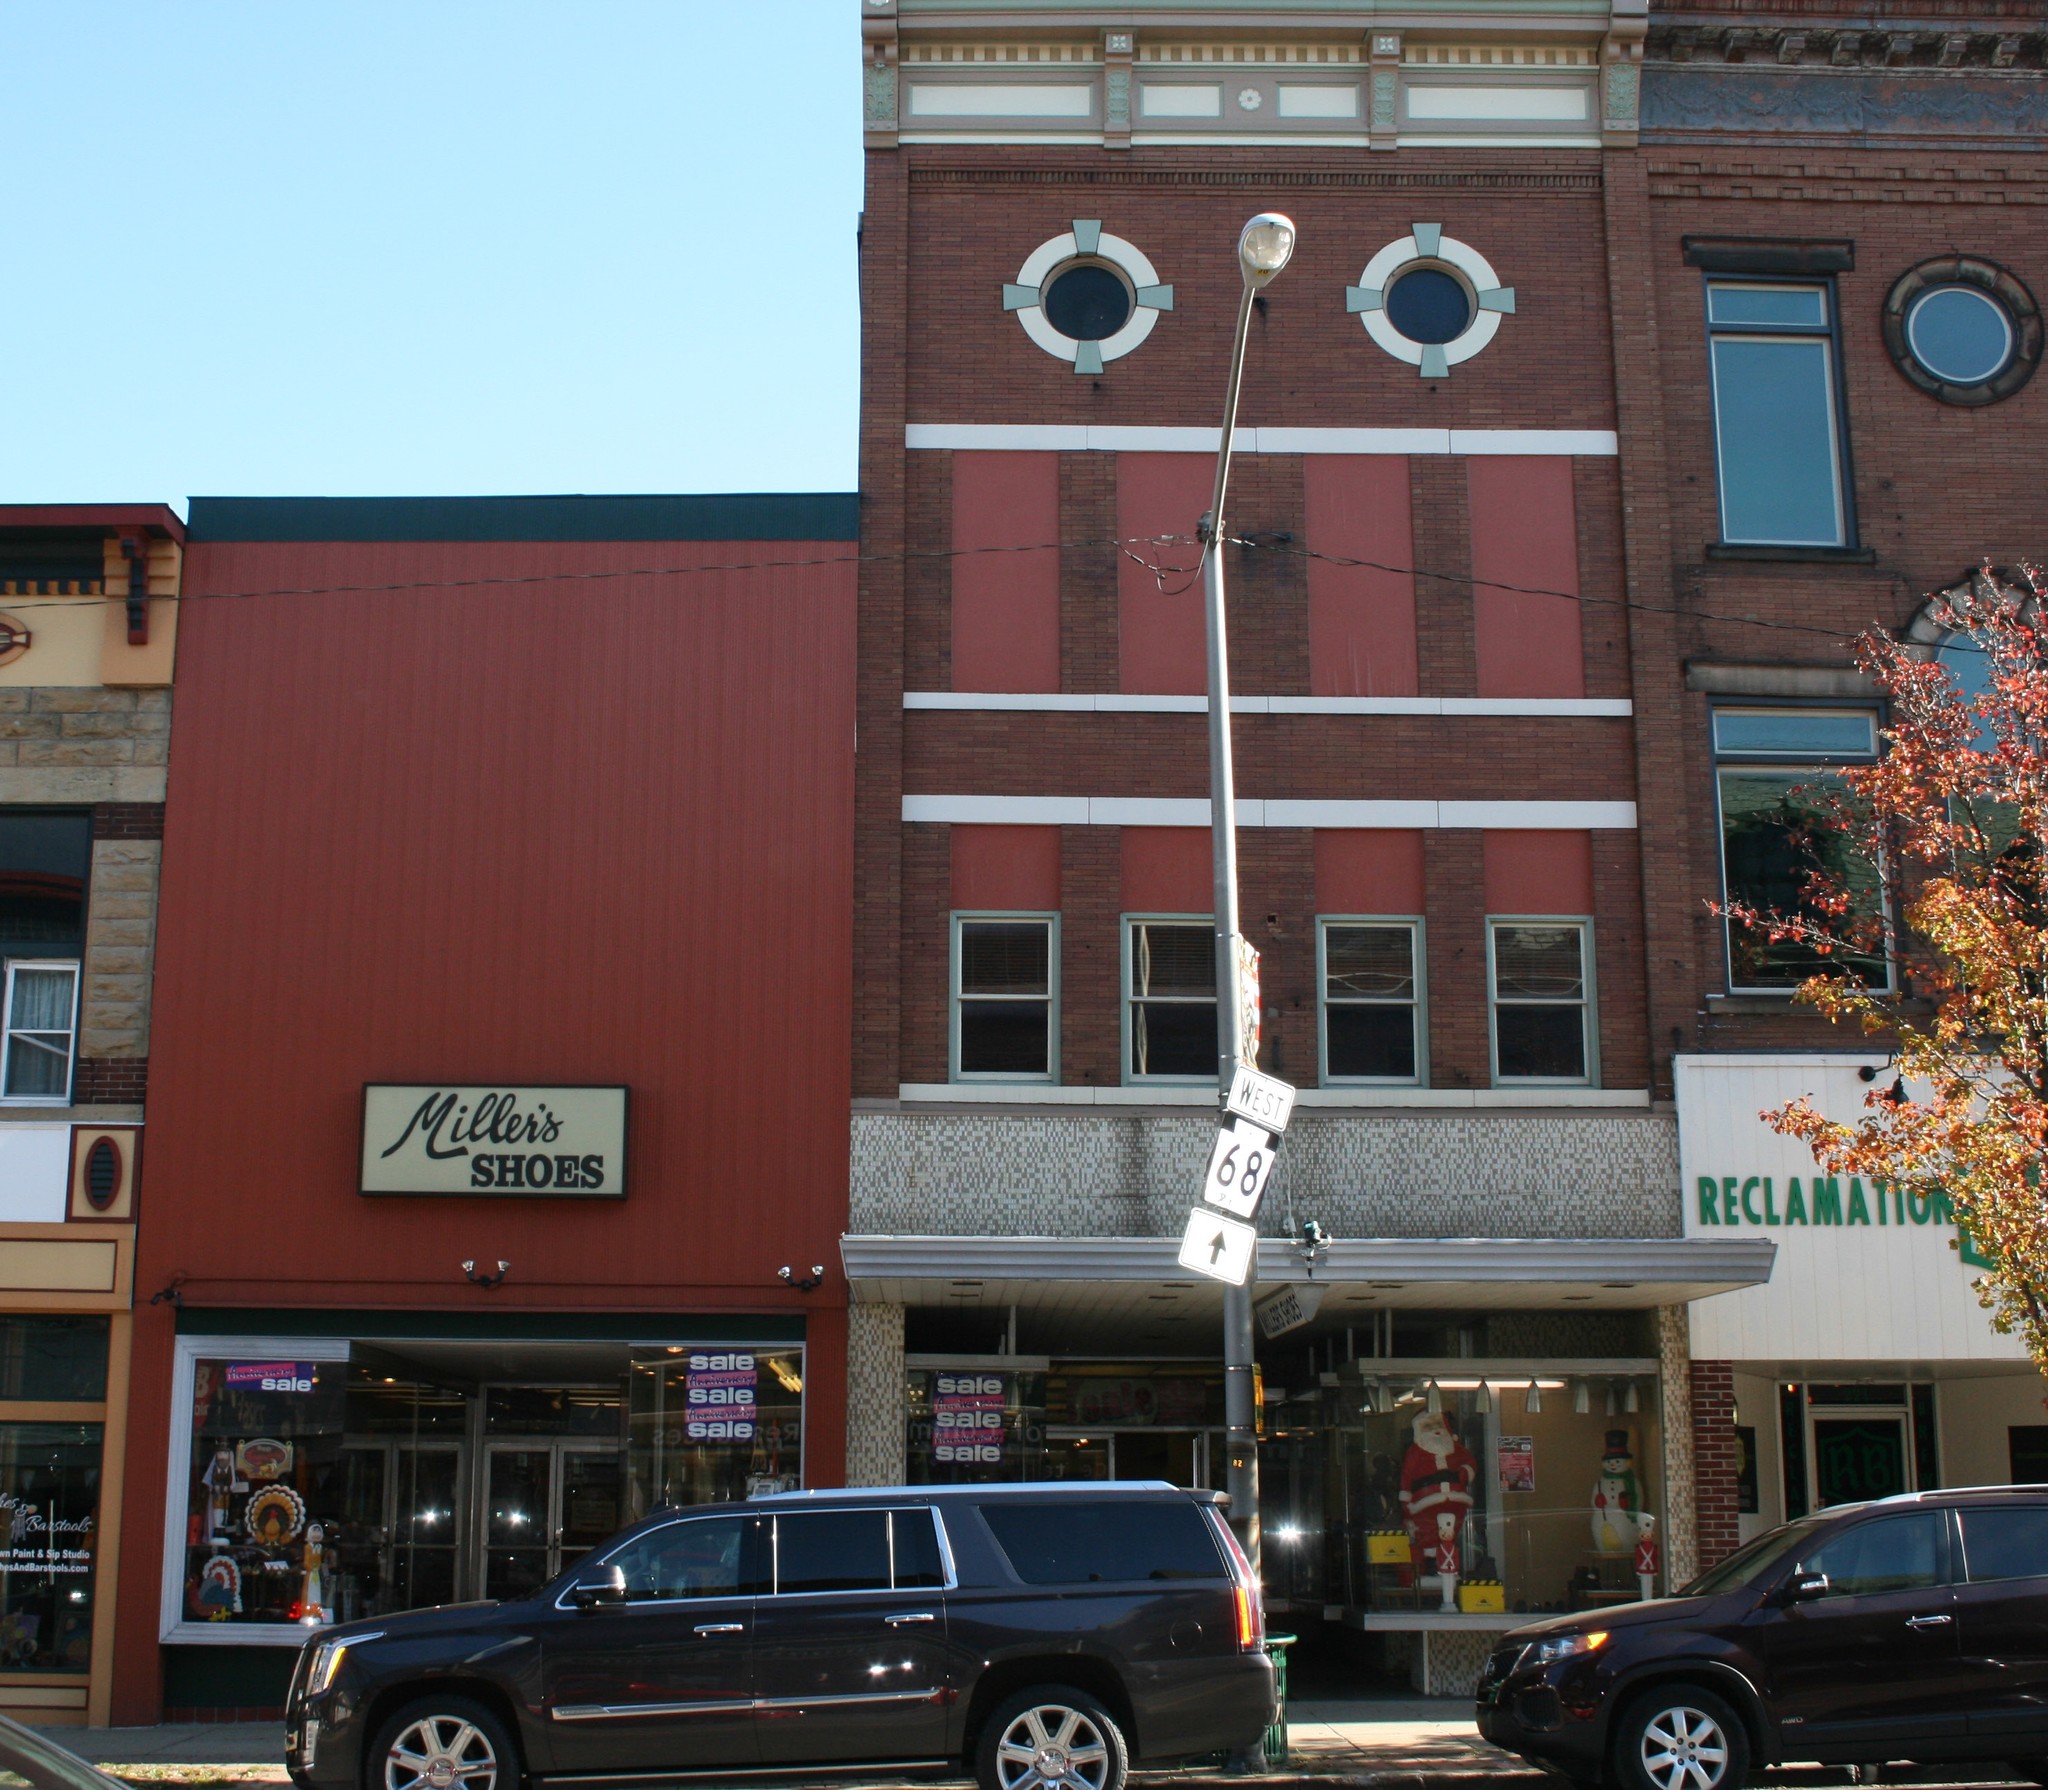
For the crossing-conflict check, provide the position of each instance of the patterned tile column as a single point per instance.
(1674, 1363)
(875, 1403)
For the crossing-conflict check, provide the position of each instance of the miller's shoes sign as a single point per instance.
(494, 1141)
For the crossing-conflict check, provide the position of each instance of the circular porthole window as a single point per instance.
(1963, 330)
(1430, 300)
(1087, 300)
(1087, 296)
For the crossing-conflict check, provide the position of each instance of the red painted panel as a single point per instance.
(1525, 533)
(1368, 872)
(1006, 604)
(1006, 867)
(1168, 870)
(1539, 873)
(592, 823)
(1361, 619)
(1161, 644)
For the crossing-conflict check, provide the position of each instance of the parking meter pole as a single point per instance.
(1240, 1409)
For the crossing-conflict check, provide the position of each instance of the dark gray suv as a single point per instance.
(1038, 1635)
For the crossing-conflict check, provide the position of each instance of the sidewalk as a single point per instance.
(1366, 1744)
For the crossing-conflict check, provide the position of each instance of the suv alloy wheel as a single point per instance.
(1055, 1736)
(1681, 1737)
(442, 1743)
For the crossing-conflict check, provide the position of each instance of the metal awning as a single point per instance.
(1099, 1274)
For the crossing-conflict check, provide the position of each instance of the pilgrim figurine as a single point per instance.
(313, 1594)
(221, 1483)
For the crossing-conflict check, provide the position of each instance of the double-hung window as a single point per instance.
(1776, 769)
(1778, 431)
(1541, 971)
(1370, 974)
(1005, 997)
(45, 859)
(1169, 999)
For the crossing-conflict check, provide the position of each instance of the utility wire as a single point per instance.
(1122, 545)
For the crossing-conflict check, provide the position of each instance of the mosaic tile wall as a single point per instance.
(1385, 1175)
(875, 1407)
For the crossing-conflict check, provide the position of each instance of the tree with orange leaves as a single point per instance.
(1920, 916)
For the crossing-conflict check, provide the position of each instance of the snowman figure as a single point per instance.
(1617, 1498)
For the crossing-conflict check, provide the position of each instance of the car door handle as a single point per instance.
(1927, 1621)
(906, 1620)
(721, 1628)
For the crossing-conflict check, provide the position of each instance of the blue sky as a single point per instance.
(415, 246)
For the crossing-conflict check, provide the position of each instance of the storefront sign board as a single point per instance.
(1864, 1271)
(494, 1141)
(1288, 1309)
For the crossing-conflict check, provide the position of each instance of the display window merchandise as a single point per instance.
(318, 1480)
(1396, 1490)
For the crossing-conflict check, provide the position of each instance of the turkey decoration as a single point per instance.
(1436, 1482)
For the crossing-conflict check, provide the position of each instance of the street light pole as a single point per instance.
(1262, 251)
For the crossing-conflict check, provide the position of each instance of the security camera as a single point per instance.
(1314, 1235)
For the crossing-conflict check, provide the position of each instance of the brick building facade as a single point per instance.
(89, 598)
(1497, 566)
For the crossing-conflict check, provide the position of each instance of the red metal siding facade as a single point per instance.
(513, 812)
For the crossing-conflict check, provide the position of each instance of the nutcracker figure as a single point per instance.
(1646, 1555)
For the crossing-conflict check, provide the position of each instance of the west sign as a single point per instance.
(494, 1141)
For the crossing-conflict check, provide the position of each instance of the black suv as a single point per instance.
(1041, 1635)
(1914, 1628)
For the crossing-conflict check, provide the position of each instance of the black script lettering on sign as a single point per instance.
(448, 1127)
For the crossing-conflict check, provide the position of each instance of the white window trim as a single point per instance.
(189, 1351)
(1125, 1076)
(1418, 1005)
(955, 999)
(1809, 764)
(1827, 337)
(77, 969)
(1588, 1004)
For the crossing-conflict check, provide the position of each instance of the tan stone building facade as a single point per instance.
(88, 633)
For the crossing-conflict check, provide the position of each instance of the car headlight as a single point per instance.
(327, 1657)
(1556, 1647)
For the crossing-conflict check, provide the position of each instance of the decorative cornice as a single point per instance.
(1798, 44)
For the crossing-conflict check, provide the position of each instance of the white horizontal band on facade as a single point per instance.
(1115, 438)
(1193, 811)
(1022, 1094)
(1117, 703)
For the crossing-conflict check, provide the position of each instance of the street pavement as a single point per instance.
(1364, 1744)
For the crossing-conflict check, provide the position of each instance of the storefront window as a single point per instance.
(58, 1359)
(1520, 1509)
(49, 1494)
(416, 1473)
(972, 1425)
(714, 1423)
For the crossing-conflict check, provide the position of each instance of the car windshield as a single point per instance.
(26, 1758)
(1753, 1558)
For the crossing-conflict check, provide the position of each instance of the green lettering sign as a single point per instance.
(1795, 1204)
(1827, 1200)
(1859, 1207)
(1710, 1200)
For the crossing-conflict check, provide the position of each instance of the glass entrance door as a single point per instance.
(545, 1505)
(1858, 1457)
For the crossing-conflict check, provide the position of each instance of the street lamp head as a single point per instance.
(1264, 246)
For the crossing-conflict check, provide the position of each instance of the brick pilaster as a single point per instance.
(1716, 1525)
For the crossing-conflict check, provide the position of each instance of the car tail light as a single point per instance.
(1249, 1606)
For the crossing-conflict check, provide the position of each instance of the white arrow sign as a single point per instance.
(1261, 1099)
(1218, 1247)
(1238, 1168)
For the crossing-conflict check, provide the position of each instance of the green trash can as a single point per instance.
(1276, 1735)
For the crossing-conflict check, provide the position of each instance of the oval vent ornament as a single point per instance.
(102, 1174)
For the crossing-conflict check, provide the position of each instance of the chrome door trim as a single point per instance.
(608, 1712)
(865, 1768)
(845, 1701)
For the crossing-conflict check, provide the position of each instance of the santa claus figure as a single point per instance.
(1436, 1492)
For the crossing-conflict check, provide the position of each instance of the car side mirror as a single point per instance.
(600, 1585)
(1803, 1588)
